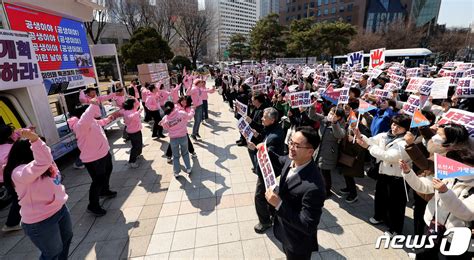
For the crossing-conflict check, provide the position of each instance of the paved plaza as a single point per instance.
(209, 215)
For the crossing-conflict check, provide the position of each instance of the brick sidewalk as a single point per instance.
(207, 216)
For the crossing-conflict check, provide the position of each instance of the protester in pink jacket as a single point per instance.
(85, 96)
(94, 147)
(33, 174)
(175, 93)
(132, 118)
(175, 121)
(153, 106)
(195, 93)
(204, 97)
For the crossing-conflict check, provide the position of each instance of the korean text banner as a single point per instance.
(18, 66)
(60, 45)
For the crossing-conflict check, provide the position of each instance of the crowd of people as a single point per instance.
(307, 145)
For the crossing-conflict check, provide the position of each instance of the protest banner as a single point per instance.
(375, 73)
(241, 108)
(354, 58)
(357, 75)
(244, 128)
(418, 119)
(261, 77)
(394, 70)
(448, 168)
(397, 79)
(413, 73)
(425, 70)
(261, 88)
(412, 104)
(448, 65)
(19, 66)
(465, 88)
(391, 87)
(300, 99)
(455, 76)
(266, 167)
(459, 116)
(440, 88)
(377, 57)
(468, 73)
(464, 66)
(383, 93)
(343, 96)
(421, 85)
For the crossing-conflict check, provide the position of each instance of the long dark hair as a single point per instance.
(20, 154)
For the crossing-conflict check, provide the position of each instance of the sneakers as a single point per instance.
(108, 194)
(351, 198)
(133, 165)
(193, 137)
(188, 171)
(261, 228)
(194, 155)
(78, 167)
(176, 175)
(344, 191)
(161, 136)
(96, 211)
(169, 160)
(373, 221)
(6, 228)
(197, 135)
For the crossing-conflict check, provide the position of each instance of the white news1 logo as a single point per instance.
(460, 242)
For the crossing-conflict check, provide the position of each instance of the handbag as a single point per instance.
(346, 160)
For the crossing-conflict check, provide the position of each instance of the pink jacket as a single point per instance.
(4, 151)
(175, 93)
(91, 138)
(85, 99)
(176, 122)
(119, 100)
(151, 102)
(145, 93)
(195, 93)
(39, 198)
(132, 119)
(163, 97)
(205, 91)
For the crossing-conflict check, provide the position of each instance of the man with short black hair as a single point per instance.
(300, 196)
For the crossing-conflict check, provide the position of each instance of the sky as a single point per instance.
(456, 13)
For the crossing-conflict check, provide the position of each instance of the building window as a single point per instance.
(311, 13)
(320, 2)
(326, 2)
(333, 1)
(333, 10)
(341, 9)
(349, 19)
(326, 11)
(349, 7)
(311, 5)
(319, 12)
(299, 7)
(299, 16)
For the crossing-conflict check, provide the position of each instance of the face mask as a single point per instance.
(437, 139)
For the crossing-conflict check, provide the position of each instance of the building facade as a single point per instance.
(351, 11)
(422, 12)
(230, 17)
(266, 7)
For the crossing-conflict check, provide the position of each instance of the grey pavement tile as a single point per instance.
(188, 206)
(207, 252)
(274, 248)
(231, 250)
(165, 224)
(345, 237)
(187, 221)
(206, 218)
(183, 240)
(228, 232)
(255, 249)
(169, 209)
(162, 256)
(150, 211)
(247, 231)
(144, 227)
(228, 215)
(246, 213)
(244, 199)
(160, 243)
(182, 255)
(206, 236)
(137, 246)
(112, 249)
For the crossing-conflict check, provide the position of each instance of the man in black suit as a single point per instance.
(272, 135)
(300, 196)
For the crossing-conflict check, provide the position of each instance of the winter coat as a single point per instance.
(353, 149)
(331, 134)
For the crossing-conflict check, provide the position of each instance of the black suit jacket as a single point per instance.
(302, 198)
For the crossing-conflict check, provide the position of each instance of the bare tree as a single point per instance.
(133, 13)
(366, 41)
(400, 35)
(194, 27)
(449, 42)
(167, 13)
(96, 27)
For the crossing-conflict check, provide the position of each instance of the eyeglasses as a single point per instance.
(297, 145)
